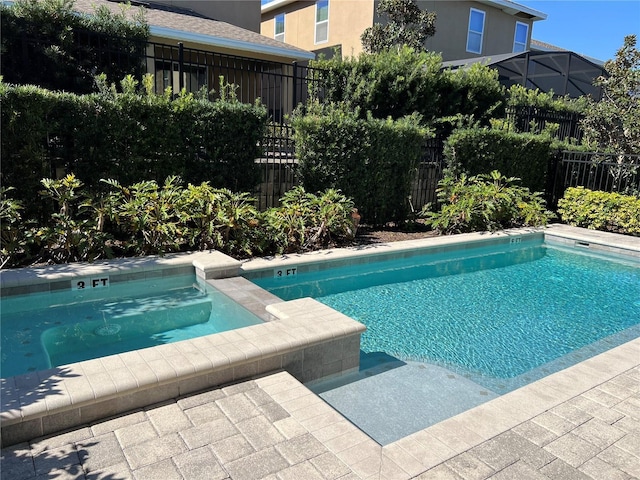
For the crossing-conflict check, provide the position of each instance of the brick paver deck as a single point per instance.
(275, 428)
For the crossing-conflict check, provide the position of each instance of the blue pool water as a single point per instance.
(502, 316)
(45, 330)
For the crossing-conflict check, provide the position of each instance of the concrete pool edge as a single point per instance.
(547, 400)
(308, 339)
(303, 337)
(602, 242)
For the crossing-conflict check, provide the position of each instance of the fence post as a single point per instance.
(294, 95)
(180, 65)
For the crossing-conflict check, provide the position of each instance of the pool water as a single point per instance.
(503, 315)
(45, 330)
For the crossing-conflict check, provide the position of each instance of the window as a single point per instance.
(520, 37)
(194, 77)
(476, 30)
(322, 21)
(279, 28)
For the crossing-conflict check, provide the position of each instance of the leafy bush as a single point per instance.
(133, 136)
(397, 83)
(305, 221)
(370, 160)
(46, 43)
(519, 96)
(480, 150)
(14, 246)
(151, 219)
(485, 202)
(612, 212)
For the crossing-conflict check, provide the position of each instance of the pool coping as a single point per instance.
(304, 337)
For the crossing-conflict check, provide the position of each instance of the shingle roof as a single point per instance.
(184, 24)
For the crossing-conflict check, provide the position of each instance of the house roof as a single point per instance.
(186, 25)
(507, 6)
(538, 46)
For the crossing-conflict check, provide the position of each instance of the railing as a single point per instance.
(534, 119)
(278, 166)
(607, 172)
(279, 169)
(278, 86)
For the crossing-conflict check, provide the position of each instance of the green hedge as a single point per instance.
(372, 161)
(46, 43)
(129, 136)
(612, 212)
(399, 83)
(522, 155)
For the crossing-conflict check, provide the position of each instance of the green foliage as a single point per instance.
(146, 218)
(612, 212)
(407, 25)
(147, 214)
(372, 161)
(68, 237)
(305, 221)
(131, 137)
(481, 150)
(399, 83)
(613, 123)
(13, 237)
(519, 96)
(45, 43)
(485, 202)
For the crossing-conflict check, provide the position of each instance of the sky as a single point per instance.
(594, 28)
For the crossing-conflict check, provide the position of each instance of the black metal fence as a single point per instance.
(607, 172)
(535, 120)
(280, 87)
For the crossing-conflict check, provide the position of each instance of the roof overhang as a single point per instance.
(222, 42)
(274, 4)
(506, 6)
(513, 8)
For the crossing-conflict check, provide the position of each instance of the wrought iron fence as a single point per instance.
(534, 119)
(280, 87)
(607, 172)
(278, 165)
(428, 174)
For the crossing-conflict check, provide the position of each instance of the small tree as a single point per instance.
(408, 25)
(613, 123)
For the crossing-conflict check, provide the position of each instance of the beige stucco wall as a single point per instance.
(349, 18)
(243, 13)
(453, 22)
(347, 21)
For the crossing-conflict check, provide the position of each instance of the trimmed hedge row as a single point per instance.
(47, 43)
(611, 212)
(127, 136)
(372, 161)
(397, 83)
(522, 155)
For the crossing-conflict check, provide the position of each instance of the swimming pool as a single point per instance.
(45, 330)
(502, 315)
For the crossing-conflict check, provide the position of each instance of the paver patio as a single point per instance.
(275, 428)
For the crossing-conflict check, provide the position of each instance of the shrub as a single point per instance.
(151, 219)
(519, 96)
(397, 83)
(485, 202)
(131, 137)
(46, 43)
(305, 221)
(612, 212)
(479, 150)
(370, 160)
(14, 245)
